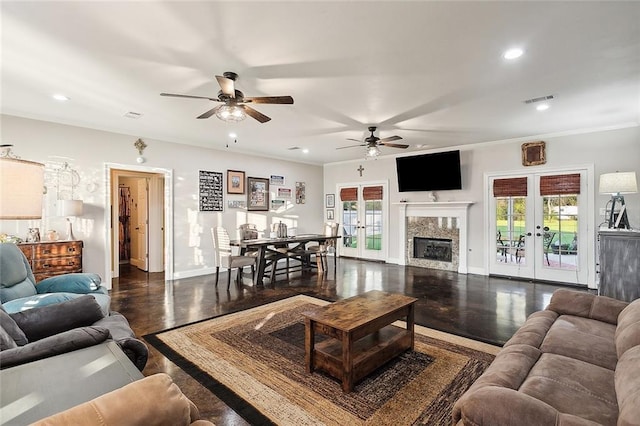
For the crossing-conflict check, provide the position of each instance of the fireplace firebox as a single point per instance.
(432, 249)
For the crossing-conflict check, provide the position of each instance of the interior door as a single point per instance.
(140, 213)
(364, 216)
(539, 224)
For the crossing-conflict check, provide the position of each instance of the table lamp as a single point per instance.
(616, 184)
(70, 208)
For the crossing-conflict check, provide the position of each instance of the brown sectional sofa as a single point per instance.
(575, 363)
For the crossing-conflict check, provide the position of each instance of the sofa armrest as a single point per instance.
(493, 405)
(587, 305)
(49, 320)
(54, 345)
(153, 400)
(122, 334)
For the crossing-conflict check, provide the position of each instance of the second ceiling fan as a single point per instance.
(372, 143)
(234, 102)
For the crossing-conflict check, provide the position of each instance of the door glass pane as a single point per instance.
(510, 230)
(561, 231)
(350, 221)
(373, 224)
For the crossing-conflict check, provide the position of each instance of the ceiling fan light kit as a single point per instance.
(371, 143)
(235, 108)
(231, 113)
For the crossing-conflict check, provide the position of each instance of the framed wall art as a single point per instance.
(210, 191)
(330, 201)
(284, 193)
(330, 215)
(235, 182)
(276, 180)
(257, 194)
(533, 154)
(301, 193)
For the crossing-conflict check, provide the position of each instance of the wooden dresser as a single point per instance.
(49, 258)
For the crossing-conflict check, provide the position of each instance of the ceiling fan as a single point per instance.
(234, 102)
(373, 142)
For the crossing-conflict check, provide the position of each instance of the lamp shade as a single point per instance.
(70, 207)
(21, 189)
(618, 183)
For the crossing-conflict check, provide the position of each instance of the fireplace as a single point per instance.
(439, 249)
(444, 220)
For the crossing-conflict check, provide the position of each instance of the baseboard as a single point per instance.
(193, 273)
(476, 271)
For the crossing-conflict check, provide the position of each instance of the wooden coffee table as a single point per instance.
(361, 335)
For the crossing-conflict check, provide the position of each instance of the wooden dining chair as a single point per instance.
(226, 259)
(320, 251)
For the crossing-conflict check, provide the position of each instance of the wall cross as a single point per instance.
(360, 169)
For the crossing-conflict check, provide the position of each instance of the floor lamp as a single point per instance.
(617, 184)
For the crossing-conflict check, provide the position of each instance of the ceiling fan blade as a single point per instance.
(210, 112)
(350, 146)
(390, 138)
(255, 114)
(227, 85)
(395, 145)
(269, 100)
(351, 139)
(189, 96)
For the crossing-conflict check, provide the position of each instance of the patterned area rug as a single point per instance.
(254, 361)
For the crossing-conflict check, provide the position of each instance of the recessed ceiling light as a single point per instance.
(542, 107)
(61, 98)
(233, 135)
(513, 53)
(306, 151)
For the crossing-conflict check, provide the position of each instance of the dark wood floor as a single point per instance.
(484, 308)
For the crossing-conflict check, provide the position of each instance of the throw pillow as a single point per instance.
(48, 320)
(80, 283)
(11, 328)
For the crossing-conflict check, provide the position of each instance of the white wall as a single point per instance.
(606, 151)
(87, 151)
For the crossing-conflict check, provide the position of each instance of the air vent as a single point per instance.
(293, 148)
(133, 115)
(540, 99)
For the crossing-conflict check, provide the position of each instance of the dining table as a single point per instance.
(294, 245)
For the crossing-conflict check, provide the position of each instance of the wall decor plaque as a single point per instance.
(210, 191)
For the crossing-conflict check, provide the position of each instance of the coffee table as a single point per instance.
(361, 337)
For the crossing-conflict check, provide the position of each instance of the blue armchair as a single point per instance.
(19, 292)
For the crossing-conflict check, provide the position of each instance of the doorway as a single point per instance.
(138, 220)
(538, 225)
(363, 210)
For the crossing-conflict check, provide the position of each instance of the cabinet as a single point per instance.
(620, 264)
(49, 258)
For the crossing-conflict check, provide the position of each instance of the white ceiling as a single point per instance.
(430, 72)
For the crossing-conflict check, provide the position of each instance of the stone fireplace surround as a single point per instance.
(444, 212)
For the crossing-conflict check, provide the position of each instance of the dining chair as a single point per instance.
(320, 251)
(249, 231)
(226, 259)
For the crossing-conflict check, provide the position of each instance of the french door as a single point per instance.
(538, 226)
(363, 212)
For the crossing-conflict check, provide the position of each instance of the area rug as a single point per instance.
(253, 360)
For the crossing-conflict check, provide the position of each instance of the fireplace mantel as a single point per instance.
(457, 209)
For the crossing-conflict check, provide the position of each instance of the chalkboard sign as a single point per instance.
(210, 191)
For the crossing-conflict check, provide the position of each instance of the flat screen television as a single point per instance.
(429, 172)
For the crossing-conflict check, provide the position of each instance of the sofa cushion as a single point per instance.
(584, 339)
(6, 341)
(628, 330)
(627, 380)
(52, 319)
(574, 387)
(587, 305)
(61, 343)
(81, 283)
(154, 400)
(16, 278)
(10, 327)
(36, 301)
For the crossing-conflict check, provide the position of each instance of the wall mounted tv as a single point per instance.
(429, 172)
